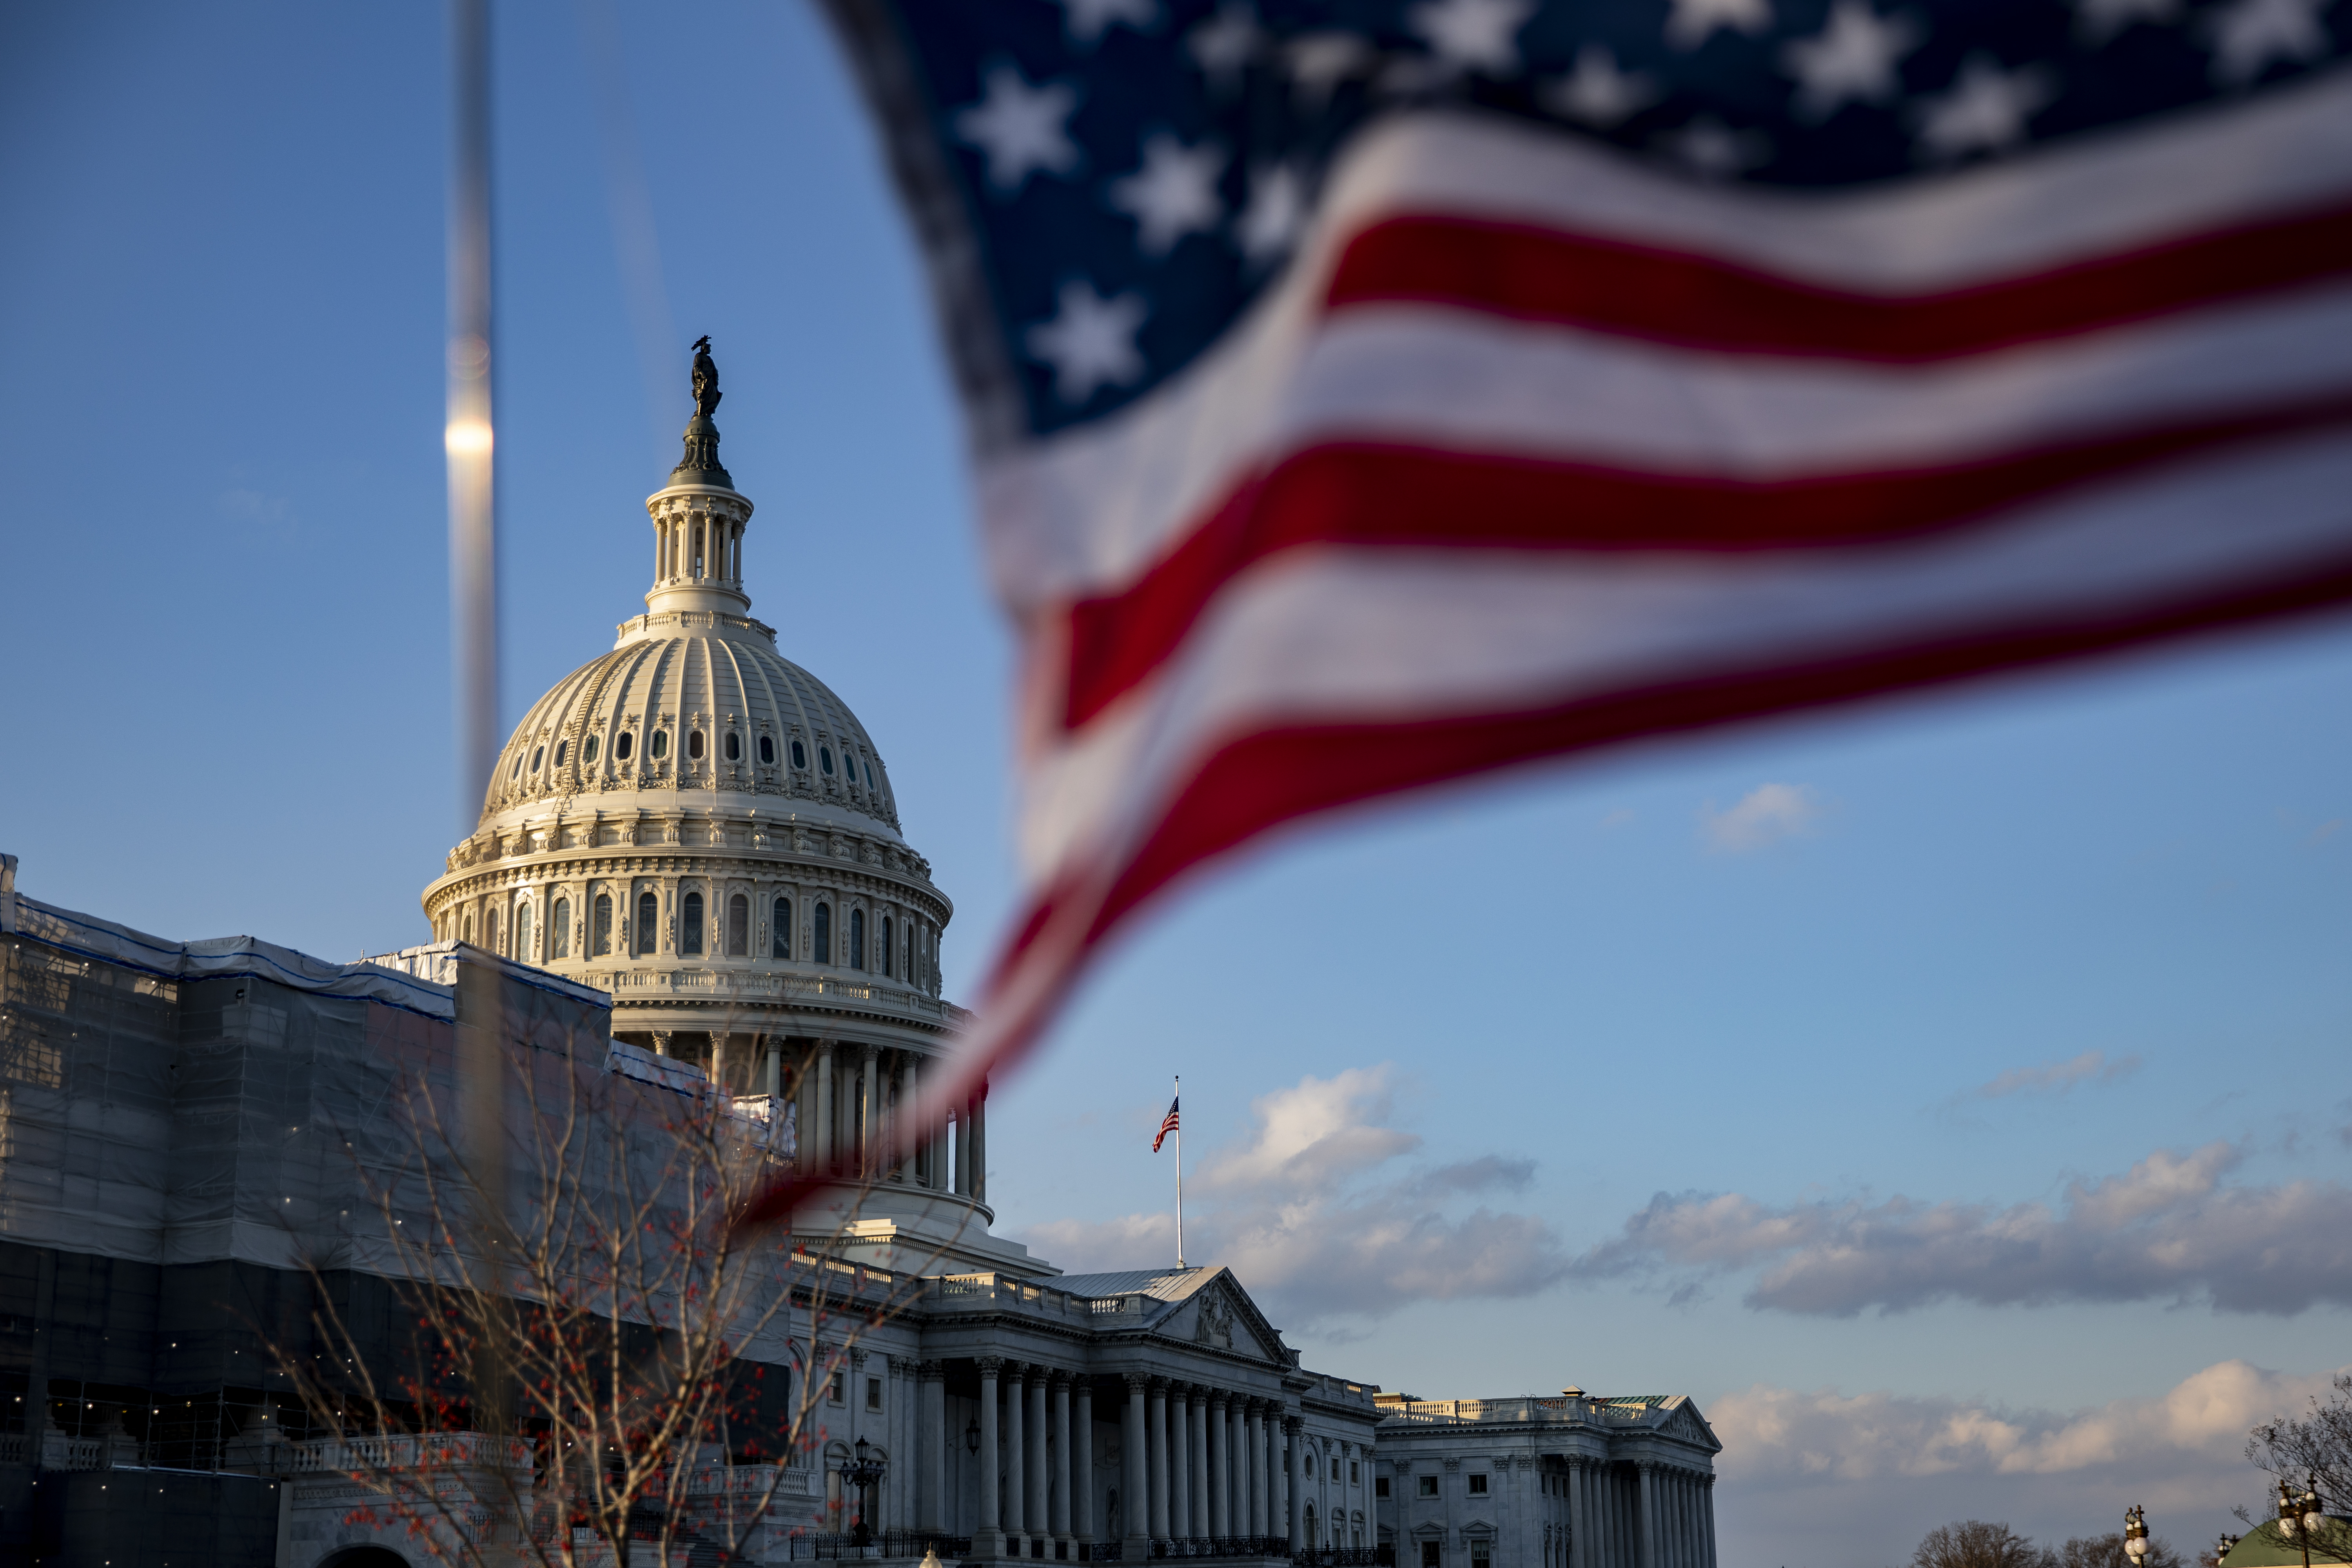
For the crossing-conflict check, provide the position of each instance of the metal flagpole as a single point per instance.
(1180, 1170)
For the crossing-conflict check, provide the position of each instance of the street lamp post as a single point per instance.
(2136, 1535)
(863, 1472)
(2299, 1516)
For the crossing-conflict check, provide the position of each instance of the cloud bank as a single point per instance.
(1765, 814)
(2166, 1229)
(2057, 1077)
(1317, 1214)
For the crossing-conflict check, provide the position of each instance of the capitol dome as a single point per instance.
(702, 828)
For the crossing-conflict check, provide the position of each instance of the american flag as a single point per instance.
(1369, 393)
(1167, 1125)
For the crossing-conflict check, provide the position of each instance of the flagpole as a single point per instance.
(1179, 1171)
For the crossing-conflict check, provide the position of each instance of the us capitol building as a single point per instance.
(697, 833)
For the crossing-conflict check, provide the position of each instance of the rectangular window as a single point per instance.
(1478, 1485)
(873, 1394)
(1335, 1470)
(1429, 1554)
(833, 1391)
(1481, 1553)
(1355, 1473)
(1428, 1487)
(1380, 1486)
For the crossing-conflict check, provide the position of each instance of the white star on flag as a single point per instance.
(1089, 20)
(1222, 45)
(1276, 211)
(1986, 109)
(2096, 21)
(1173, 195)
(1474, 35)
(1852, 59)
(1596, 91)
(1021, 129)
(1694, 21)
(1321, 61)
(2252, 34)
(1090, 343)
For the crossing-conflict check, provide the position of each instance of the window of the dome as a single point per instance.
(648, 922)
(821, 934)
(734, 747)
(563, 748)
(799, 756)
(857, 938)
(516, 772)
(869, 774)
(658, 747)
(561, 931)
(824, 758)
(622, 744)
(522, 934)
(694, 746)
(689, 924)
(780, 934)
(889, 953)
(603, 931)
(768, 751)
(739, 927)
(537, 752)
(588, 750)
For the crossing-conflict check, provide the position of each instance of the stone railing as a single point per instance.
(752, 986)
(325, 1456)
(995, 1290)
(1522, 1410)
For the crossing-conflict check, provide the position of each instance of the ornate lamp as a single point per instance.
(2136, 1535)
(2299, 1516)
(863, 1472)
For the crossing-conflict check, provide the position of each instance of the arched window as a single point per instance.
(622, 744)
(889, 951)
(603, 931)
(562, 750)
(536, 753)
(694, 746)
(562, 929)
(522, 934)
(739, 927)
(799, 755)
(780, 934)
(588, 750)
(648, 921)
(824, 759)
(469, 927)
(768, 751)
(689, 924)
(821, 934)
(857, 938)
(516, 772)
(490, 928)
(734, 747)
(658, 747)
(869, 776)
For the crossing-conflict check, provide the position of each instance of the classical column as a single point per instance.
(1039, 1511)
(1155, 1432)
(931, 1448)
(1221, 1463)
(661, 1042)
(1646, 1514)
(908, 1150)
(1060, 1515)
(1082, 1462)
(869, 1110)
(1016, 1493)
(773, 1085)
(1197, 1426)
(988, 1541)
(1293, 1430)
(1180, 1457)
(943, 1178)
(824, 1108)
(1707, 1508)
(963, 1150)
(980, 1145)
(1253, 1457)
(1134, 1515)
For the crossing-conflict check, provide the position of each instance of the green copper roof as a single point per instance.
(2266, 1548)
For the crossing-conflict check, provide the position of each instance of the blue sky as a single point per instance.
(1950, 1097)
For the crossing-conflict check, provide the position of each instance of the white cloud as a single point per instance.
(1314, 1216)
(2167, 1229)
(2057, 1078)
(1860, 1478)
(1765, 814)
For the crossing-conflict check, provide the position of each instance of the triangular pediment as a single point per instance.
(1220, 1315)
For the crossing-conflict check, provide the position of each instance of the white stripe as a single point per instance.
(1463, 382)
(1352, 637)
(1084, 511)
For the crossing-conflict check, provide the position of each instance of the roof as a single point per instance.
(2264, 1547)
(1165, 1284)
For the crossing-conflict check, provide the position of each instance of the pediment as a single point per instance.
(1684, 1421)
(1220, 1316)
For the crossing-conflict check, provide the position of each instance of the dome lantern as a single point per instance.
(699, 517)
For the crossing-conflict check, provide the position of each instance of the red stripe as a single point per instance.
(1703, 301)
(1376, 496)
(1254, 783)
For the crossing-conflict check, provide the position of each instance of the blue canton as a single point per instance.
(1136, 172)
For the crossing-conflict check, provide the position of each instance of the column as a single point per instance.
(909, 1140)
(1039, 1511)
(931, 1449)
(988, 1541)
(1646, 1514)
(1060, 1524)
(1253, 1457)
(1134, 1515)
(1082, 1462)
(980, 1145)
(1220, 1464)
(940, 1176)
(963, 1150)
(1196, 1406)
(824, 1108)
(1016, 1493)
(1155, 1432)
(1180, 1462)
(773, 1084)
(1294, 1431)
(869, 1110)
(1706, 1505)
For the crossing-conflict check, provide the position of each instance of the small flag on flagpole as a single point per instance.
(1167, 1125)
